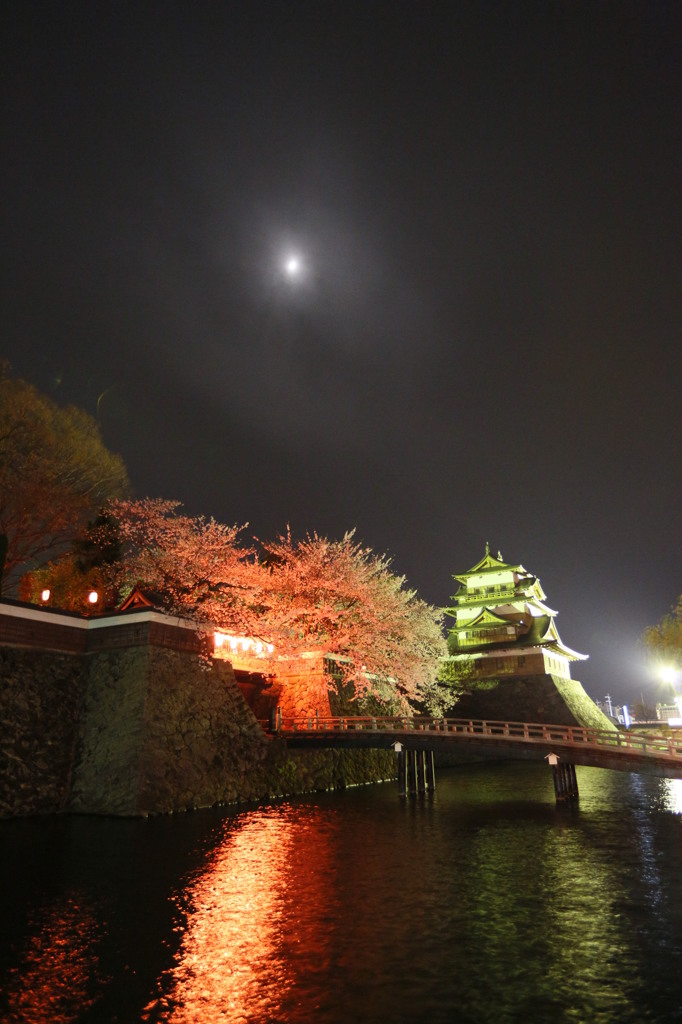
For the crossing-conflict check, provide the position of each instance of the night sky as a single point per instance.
(483, 340)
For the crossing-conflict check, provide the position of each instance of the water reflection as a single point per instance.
(541, 920)
(58, 978)
(671, 795)
(592, 956)
(246, 941)
(487, 903)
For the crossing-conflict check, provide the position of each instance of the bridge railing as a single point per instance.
(528, 732)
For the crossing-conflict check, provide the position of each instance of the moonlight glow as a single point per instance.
(293, 267)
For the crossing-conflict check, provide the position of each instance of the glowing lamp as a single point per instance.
(93, 597)
(45, 596)
(668, 673)
(271, 648)
(233, 644)
(218, 639)
(259, 647)
(246, 644)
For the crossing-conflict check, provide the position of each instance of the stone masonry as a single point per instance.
(145, 725)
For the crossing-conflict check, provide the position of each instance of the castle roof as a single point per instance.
(489, 563)
(488, 617)
(497, 607)
(141, 598)
(543, 633)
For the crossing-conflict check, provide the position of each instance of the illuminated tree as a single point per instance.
(90, 565)
(343, 600)
(664, 640)
(333, 598)
(458, 674)
(66, 585)
(55, 473)
(196, 565)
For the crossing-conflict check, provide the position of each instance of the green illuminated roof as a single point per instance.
(522, 592)
(486, 618)
(540, 632)
(548, 636)
(522, 587)
(490, 564)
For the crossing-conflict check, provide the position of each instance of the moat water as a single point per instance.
(483, 903)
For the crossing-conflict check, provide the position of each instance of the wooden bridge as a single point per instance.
(416, 739)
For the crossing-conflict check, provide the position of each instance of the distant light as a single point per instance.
(271, 648)
(246, 644)
(626, 716)
(93, 597)
(45, 596)
(218, 639)
(668, 673)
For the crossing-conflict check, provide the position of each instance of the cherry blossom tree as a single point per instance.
(197, 566)
(333, 598)
(341, 599)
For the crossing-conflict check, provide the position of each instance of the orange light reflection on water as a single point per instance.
(58, 979)
(240, 956)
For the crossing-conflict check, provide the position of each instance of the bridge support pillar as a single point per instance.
(412, 772)
(416, 772)
(430, 772)
(573, 781)
(420, 771)
(402, 773)
(565, 782)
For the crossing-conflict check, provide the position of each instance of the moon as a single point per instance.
(293, 266)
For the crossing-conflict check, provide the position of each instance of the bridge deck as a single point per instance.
(622, 751)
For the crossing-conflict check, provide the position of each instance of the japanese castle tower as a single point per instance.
(503, 628)
(506, 655)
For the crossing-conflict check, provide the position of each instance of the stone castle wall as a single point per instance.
(142, 730)
(537, 698)
(39, 700)
(298, 686)
(304, 688)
